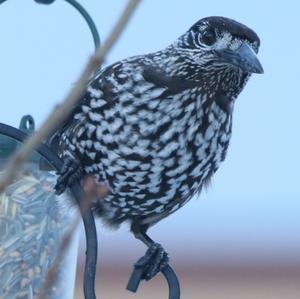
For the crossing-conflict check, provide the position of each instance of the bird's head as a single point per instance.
(222, 43)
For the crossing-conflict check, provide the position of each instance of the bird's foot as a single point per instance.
(154, 260)
(69, 173)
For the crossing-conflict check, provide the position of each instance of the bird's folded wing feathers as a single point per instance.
(121, 90)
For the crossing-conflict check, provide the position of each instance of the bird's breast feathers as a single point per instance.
(149, 140)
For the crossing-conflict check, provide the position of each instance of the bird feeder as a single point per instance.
(33, 221)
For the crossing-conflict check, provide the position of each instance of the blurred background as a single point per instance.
(241, 238)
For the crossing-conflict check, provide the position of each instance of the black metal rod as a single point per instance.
(91, 243)
(89, 21)
(169, 274)
(173, 283)
(84, 14)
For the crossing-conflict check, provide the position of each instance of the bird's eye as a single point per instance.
(208, 38)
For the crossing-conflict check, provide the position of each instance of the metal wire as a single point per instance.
(169, 274)
(89, 21)
(173, 283)
(84, 14)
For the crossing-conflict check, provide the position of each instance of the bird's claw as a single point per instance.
(154, 260)
(69, 173)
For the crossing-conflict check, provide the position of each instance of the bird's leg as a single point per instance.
(155, 258)
(69, 173)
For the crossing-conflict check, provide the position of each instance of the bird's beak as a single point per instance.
(243, 57)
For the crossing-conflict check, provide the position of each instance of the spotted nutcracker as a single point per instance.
(154, 128)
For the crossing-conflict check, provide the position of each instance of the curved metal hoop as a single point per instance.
(87, 216)
(84, 14)
(173, 283)
(169, 274)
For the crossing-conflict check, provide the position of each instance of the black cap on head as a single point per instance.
(222, 24)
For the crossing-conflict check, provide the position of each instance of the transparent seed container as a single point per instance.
(33, 221)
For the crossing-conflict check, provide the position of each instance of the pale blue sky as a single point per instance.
(253, 206)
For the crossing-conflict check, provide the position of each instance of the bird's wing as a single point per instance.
(117, 84)
(97, 86)
(122, 100)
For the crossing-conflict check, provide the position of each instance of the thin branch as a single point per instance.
(62, 111)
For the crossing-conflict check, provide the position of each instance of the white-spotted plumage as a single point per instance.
(157, 126)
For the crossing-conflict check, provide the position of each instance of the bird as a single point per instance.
(155, 128)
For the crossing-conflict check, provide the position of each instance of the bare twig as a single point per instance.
(62, 111)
